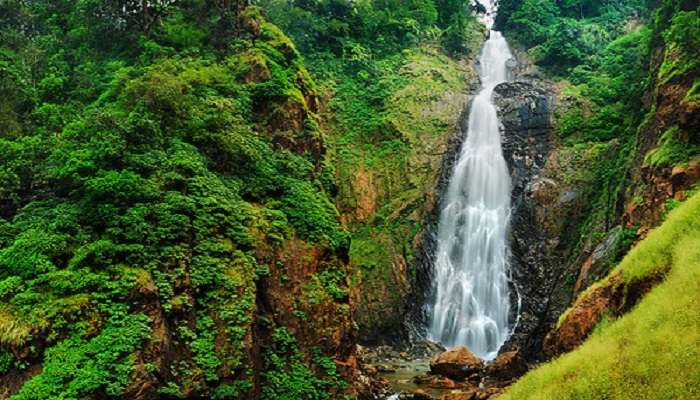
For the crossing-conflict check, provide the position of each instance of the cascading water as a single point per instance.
(472, 302)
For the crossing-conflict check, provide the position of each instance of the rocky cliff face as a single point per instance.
(662, 171)
(524, 108)
(549, 205)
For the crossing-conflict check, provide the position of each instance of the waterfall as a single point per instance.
(472, 302)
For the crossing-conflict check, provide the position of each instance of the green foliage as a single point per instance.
(312, 214)
(530, 22)
(604, 111)
(204, 348)
(333, 282)
(287, 376)
(78, 367)
(651, 351)
(606, 97)
(693, 95)
(7, 362)
(367, 29)
(565, 34)
(682, 38)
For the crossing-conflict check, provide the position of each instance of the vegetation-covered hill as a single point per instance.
(627, 97)
(167, 225)
(394, 77)
(625, 145)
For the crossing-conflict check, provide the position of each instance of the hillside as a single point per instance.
(651, 352)
(167, 226)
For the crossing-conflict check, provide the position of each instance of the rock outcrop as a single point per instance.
(507, 366)
(610, 298)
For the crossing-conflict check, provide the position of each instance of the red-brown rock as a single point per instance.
(469, 394)
(457, 363)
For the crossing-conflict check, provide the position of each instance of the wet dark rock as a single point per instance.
(600, 261)
(367, 383)
(507, 366)
(421, 348)
(524, 111)
(421, 395)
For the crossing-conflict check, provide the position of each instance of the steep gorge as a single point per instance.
(565, 235)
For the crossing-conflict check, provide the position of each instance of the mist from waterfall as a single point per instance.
(472, 302)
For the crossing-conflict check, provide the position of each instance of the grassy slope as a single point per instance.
(650, 353)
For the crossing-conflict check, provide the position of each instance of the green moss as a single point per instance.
(671, 150)
(650, 352)
(422, 106)
(368, 251)
(392, 119)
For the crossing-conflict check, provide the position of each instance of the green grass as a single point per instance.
(693, 94)
(650, 353)
(13, 331)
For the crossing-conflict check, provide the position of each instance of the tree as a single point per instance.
(530, 22)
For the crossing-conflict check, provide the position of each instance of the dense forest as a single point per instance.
(235, 200)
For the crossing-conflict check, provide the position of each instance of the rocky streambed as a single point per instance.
(456, 374)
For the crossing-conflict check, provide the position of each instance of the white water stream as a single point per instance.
(472, 301)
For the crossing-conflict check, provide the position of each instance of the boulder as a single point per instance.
(508, 365)
(437, 382)
(473, 394)
(457, 363)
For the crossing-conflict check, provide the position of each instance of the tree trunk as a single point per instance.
(144, 16)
